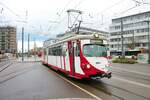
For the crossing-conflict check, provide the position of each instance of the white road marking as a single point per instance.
(89, 93)
(132, 82)
(131, 71)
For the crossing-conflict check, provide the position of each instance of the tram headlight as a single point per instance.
(88, 66)
(107, 67)
(96, 35)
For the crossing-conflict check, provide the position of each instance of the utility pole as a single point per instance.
(35, 49)
(28, 45)
(122, 44)
(148, 43)
(118, 40)
(133, 41)
(148, 40)
(22, 43)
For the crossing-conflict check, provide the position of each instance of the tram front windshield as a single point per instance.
(94, 50)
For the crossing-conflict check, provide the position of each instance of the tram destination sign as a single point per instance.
(97, 41)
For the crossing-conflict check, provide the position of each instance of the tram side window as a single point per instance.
(50, 51)
(56, 51)
(59, 51)
(44, 51)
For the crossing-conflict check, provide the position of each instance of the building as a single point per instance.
(8, 42)
(134, 29)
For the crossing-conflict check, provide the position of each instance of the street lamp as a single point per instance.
(148, 42)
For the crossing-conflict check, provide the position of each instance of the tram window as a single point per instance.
(54, 52)
(45, 51)
(59, 52)
(50, 51)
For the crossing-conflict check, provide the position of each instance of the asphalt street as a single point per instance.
(34, 81)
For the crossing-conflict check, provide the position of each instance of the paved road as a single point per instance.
(139, 68)
(5, 64)
(33, 81)
(126, 83)
(136, 72)
(32, 58)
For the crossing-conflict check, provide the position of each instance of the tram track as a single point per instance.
(102, 88)
(130, 73)
(87, 83)
(132, 78)
(141, 78)
(15, 75)
(12, 74)
(113, 86)
(15, 71)
(5, 66)
(106, 88)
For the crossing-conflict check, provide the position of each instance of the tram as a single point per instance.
(78, 55)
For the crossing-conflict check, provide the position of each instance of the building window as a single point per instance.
(117, 27)
(112, 46)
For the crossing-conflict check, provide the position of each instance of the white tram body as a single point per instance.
(78, 55)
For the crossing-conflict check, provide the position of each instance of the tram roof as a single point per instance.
(73, 36)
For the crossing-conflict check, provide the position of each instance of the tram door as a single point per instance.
(71, 57)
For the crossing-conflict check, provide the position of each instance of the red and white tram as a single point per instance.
(78, 55)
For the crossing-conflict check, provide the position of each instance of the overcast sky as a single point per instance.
(46, 18)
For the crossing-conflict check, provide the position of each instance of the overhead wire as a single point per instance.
(77, 16)
(108, 8)
(111, 6)
(79, 3)
(66, 6)
(138, 3)
(104, 10)
(10, 10)
(129, 9)
(60, 15)
(75, 7)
